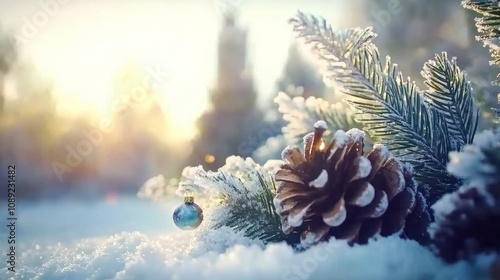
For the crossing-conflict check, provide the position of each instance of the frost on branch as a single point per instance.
(157, 188)
(271, 149)
(239, 196)
(480, 162)
(301, 114)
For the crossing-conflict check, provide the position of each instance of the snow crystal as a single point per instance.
(225, 255)
(277, 205)
(337, 219)
(381, 206)
(356, 134)
(383, 151)
(340, 138)
(402, 181)
(472, 163)
(297, 220)
(286, 151)
(308, 137)
(309, 239)
(321, 181)
(365, 166)
(272, 165)
(270, 150)
(154, 188)
(321, 124)
(366, 197)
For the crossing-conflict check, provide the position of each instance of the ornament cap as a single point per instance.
(189, 199)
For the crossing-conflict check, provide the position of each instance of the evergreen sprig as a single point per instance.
(300, 115)
(392, 108)
(241, 196)
(450, 94)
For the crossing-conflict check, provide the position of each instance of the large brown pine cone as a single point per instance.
(333, 190)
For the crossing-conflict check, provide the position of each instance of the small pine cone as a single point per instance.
(333, 190)
(468, 220)
(467, 223)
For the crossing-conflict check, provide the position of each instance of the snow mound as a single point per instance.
(224, 254)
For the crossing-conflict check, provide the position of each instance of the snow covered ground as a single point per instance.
(135, 239)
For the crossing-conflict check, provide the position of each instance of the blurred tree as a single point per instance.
(138, 145)
(300, 74)
(8, 55)
(300, 78)
(31, 128)
(231, 124)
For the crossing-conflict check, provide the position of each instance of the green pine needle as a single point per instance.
(450, 94)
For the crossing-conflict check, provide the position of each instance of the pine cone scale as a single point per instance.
(336, 215)
(315, 234)
(377, 206)
(288, 176)
(360, 193)
(293, 156)
(370, 228)
(348, 231)
(395, 220)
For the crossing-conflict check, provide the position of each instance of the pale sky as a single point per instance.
(81, 43)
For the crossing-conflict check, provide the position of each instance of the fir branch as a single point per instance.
(392, 108)
(300, 115)
(239, 196)
(450, 94)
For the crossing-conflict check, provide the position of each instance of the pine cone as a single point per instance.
(468, 220)
(336, 191)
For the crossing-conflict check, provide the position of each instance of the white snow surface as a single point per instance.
(225, 255)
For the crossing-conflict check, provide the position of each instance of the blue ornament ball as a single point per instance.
(188, 215)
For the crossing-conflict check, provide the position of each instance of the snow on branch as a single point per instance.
(479, 162)
(392, 108)
(301, 114)
(238, 196)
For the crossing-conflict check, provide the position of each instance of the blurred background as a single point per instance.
(99, 96)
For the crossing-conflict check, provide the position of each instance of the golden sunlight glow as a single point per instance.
(322, 145)
(83, 64)
(209, 158)
(178, 37)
